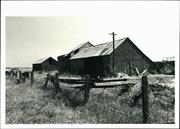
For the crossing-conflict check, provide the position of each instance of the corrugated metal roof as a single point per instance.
(42, 60)
(97, 50)
(82, 45)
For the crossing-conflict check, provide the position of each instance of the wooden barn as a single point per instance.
(97, 60)
(45, 64)
(63, 60)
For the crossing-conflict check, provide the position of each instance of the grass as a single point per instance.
(27, 104)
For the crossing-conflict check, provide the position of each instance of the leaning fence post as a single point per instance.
(32, 77)
(145, 101)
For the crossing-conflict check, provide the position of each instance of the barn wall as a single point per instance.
(64, 63)
(94, 66)
(46, 66)
(77, 66)
(127, 59)
(106, 65)
(37, 67)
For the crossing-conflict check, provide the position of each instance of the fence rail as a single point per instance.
(88, 83)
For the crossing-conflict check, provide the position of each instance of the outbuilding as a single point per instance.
(97, 60)
(45, 64)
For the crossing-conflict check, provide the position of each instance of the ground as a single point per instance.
(26, 104)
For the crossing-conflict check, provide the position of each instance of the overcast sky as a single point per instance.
(153, 27)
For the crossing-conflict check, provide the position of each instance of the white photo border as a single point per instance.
(38, 8)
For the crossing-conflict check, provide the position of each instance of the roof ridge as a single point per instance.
(110, 41)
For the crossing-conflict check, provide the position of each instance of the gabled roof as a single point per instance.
(42, 60)
(83, 45)
(80, 46)
(97, 50)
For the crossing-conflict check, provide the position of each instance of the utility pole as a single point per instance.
(113, 35)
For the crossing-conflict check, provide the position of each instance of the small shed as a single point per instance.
(45, 64)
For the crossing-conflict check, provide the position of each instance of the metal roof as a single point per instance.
(82, 45)
(42, 60)
(97, 50)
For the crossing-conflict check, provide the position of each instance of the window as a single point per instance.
(76, 51)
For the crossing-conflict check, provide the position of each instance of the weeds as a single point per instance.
(31, 104)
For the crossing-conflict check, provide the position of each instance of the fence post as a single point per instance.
(47, 79)
(56, 83)
(32, 77)
(145, 101)
(86, 88)
(87, 79)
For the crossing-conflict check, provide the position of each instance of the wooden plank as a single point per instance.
(72, 81)
(110, 80)
(107, 86)
(82, 81)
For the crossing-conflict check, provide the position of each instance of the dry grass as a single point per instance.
(27, 103)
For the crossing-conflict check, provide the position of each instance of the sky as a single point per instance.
(152, 26)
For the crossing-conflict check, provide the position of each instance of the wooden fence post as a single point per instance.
(47, 79)
(32, 77)
(56, 84)
(86, 88)
(145, 101)
(87, 79)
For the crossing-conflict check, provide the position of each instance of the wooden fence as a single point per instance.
(88, 83)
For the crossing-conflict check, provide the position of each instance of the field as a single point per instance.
(27, 104)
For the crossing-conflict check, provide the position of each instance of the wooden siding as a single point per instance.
(127, 59)
(77, 66)
(37, 67)
(47, 65)
(63, 65)
(106, 65)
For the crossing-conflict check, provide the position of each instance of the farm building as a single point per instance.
(97, 60)
(45, 64)
(64, 62)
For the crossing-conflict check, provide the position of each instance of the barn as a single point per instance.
(63, 60)
(97, 60)
(45, 64)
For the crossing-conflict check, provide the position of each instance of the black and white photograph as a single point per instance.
(91, 64)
